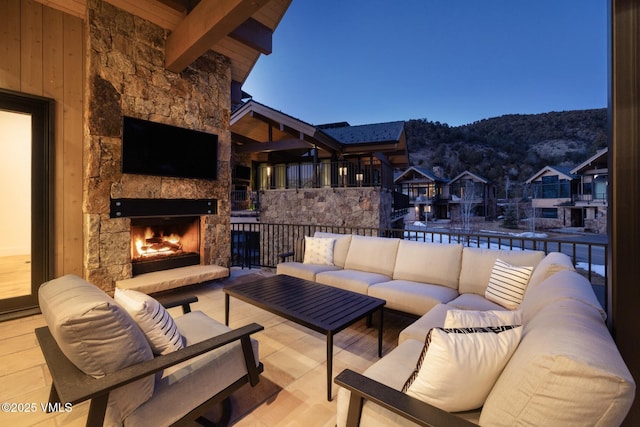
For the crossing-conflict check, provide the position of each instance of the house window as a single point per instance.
(549, 213)
(553, 187)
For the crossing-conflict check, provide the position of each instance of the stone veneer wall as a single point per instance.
(126, 76)
(365, 207)
(356, 207)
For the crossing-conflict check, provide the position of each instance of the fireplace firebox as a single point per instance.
(162, 243)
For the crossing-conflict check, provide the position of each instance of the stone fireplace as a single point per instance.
(126, 77)
(164, 243)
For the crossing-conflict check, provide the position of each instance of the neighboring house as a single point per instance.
(563, 197)
(427, 191)
(469, 188)
(337, 173)
(550, 195)
(590, 197)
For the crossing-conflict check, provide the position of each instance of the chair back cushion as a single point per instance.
(566, 371)
(372, 254)
(98, 336)
(340, 248)
(425, 262)
(477, 265)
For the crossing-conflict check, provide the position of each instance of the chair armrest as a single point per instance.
(364, 388)
(74, 386)
(169, 301)
(283, 256)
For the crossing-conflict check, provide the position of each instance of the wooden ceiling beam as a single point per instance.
(208, 23)
(255, 35)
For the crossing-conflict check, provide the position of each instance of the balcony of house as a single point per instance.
(325, 174)
(585, 199)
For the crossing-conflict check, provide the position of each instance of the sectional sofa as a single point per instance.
(562, 366)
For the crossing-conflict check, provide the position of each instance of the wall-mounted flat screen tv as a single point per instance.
(150, 148)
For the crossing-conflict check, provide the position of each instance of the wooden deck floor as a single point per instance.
(292, 391)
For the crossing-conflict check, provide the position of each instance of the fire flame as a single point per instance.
(152, 245)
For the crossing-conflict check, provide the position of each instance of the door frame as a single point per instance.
(41, 110)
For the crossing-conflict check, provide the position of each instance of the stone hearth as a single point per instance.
(126, 76)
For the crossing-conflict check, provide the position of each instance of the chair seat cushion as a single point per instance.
(411, 297)
(474, 302)
(419, 329)
(351, 280)
(185, 386)
(303, 271)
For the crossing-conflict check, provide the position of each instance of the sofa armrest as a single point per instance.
(74, 386)
(283, 256)
(364, 388)
(169, 301)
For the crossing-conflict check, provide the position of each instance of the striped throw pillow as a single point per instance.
(155, 321)
(507, 284)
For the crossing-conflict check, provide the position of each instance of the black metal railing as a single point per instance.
(365, 173)
(256, 244)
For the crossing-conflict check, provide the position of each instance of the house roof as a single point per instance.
(596, 162)
(424, 172)
(366, 134)
(473, 176)
(258, 128)
(564, 172)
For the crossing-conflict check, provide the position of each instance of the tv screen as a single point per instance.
(150, 148)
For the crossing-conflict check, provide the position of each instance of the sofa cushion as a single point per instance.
(563, 285)
(481, 318)
(507, 284)
(411, 297)
(424, 262)
(419, 329)
(340, 248)
(351, 280)
(183, 387)
(393, 370)
(318, 250)
(458, 367)
(477, 265)
(303, 271)
(98, 336)
(566, 371)
(156, 323)
(474, 302)
(372, 254)
(550, 265)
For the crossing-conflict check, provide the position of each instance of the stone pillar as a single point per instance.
(125, 75)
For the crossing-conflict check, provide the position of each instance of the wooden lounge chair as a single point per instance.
(89, 333)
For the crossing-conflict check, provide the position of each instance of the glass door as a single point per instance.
(25, 190)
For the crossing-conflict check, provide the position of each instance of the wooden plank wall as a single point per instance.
(42, 53)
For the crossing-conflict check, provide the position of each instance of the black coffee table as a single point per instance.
(322, 308)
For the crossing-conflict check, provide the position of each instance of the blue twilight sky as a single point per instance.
(452, 61)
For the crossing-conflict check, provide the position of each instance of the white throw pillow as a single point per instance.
(318, 250)
(458, 367)
(482, 318)
(155, 321)
(507, 284)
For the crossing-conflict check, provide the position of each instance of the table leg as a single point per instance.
(329, 363)
(226, 309)
(380, 333)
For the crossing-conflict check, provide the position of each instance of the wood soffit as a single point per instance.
(238, 29)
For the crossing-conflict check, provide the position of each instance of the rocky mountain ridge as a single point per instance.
(513, 146)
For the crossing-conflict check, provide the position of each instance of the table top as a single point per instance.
(319, 307)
